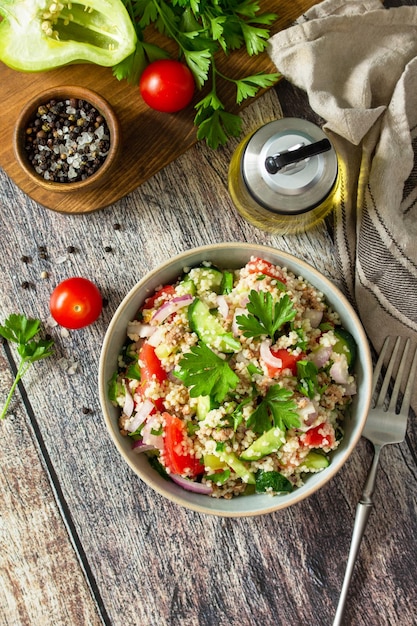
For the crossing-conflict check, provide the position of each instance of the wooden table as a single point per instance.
(82, 540)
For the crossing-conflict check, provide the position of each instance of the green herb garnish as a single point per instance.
(307, 375)
(206, 373)
(200, 29)
(265, 317)
(277, 409)
(20, 330)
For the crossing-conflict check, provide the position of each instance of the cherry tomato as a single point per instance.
(164, 291)
(151, 370)
(260, 266)
(75, 303)
(167, 85)
(177, 458)
(315, 439)
(289, 361)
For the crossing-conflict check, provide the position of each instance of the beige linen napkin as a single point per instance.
(357, 61)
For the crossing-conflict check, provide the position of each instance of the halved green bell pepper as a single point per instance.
(37, 35)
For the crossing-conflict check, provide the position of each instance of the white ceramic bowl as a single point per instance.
(234, 255)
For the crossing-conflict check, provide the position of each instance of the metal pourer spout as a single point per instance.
(274, 164)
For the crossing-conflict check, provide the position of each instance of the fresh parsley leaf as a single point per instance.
(265, 317)
(307, 374)
(277, 409)
(249, 86)
(206, 373)
(21, 330)
(237, 414)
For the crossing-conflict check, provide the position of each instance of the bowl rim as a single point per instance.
(67, 91)
(205, 504)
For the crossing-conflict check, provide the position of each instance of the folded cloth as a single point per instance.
(357, 61)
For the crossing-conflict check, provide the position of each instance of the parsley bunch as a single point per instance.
(200, 29)
(21, 330)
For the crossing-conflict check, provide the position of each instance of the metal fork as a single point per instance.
(383, 426)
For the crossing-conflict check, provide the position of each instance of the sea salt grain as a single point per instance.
(67, 143)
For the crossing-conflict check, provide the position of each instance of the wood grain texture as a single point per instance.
(41, 578)
(150, 140)
(82, 540)
(155, 564)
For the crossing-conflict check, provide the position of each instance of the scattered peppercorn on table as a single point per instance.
(83, 540)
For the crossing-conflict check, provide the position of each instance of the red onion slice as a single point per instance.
(139, 447)
(190, 485)
(139, 329)
(144, 409)
(157, 441)
(129, 404)
(339, 371)
(171, 306)
(222, 306)
(314, 316)
(321, 355)
(235, 327)
(267, 356)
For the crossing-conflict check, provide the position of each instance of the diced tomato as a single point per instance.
(289, 361)
(151, 370)
(260, 266)
(168, 290)
(176, 455)
(313, 438)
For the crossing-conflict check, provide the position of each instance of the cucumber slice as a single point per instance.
(272, 482)
(209, 329)
(227, 283)
(188, 285)
(267, 443)
(315, 460)
(345, 345)
(238, 467)
(204, 405)
(206, 279)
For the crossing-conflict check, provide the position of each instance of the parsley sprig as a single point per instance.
(266, 317)
(206, 373)
(277, 409)
(20, 330)
(200, 29)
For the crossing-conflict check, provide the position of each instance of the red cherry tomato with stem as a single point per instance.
(167, 85)
(75, 303)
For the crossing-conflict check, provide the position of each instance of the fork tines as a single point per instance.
(395, 370)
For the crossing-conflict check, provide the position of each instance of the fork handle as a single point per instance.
(363, 510)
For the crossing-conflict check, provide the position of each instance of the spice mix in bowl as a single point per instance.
(67, 139)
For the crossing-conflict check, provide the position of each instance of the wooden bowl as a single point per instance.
(64, 92)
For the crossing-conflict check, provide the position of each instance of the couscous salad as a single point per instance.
(235, 381)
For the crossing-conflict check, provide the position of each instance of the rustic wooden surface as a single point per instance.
(82, 540)
(150, 140)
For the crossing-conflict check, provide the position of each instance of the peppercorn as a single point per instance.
(25, 259)
(60, 133)
(70, 249)
(116, 226)
(108, 248)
